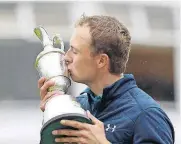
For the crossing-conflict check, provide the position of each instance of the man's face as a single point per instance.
(81, 65)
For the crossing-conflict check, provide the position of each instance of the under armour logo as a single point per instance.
(109, 128)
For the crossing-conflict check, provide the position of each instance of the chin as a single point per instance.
(73, 78)
(76, 79)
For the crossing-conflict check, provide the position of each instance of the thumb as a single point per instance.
(94, 119)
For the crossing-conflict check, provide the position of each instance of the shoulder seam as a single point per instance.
(144, 111)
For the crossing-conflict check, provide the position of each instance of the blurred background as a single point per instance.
(154, 58)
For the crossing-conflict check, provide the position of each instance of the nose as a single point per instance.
(67, 58)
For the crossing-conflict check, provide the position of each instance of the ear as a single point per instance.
(103, 60)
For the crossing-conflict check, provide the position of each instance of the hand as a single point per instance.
(44, 94)
(86, 133)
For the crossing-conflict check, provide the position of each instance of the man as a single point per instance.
(120, 111)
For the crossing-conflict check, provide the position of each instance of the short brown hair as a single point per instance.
(111, 37)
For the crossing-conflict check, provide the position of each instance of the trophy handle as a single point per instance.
(58, 42)
(43, 36)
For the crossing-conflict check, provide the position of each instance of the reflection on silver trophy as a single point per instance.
(50, 64)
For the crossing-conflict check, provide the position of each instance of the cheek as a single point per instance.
(84, 65)
(89, 69)
(77, 66)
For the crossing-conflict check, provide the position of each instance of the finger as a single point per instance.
(68, 132)
(50, 94)
(44, 88)
(47, 97)
(71, 140)
(45, 100)
(94, 120)
(74, 124)
(41, 81)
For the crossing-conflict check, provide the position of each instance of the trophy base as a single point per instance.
(54, 124)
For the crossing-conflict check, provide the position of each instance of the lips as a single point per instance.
(69, 72)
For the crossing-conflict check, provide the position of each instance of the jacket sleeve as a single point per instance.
(153, 127)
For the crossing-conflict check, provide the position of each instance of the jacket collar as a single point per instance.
(116, 89)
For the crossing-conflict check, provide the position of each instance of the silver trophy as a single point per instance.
(50, 64)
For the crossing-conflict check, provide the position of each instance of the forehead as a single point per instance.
(81, 35)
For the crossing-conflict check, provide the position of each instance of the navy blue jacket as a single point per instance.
(130, 116)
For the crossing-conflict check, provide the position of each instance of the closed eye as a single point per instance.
(73, 49)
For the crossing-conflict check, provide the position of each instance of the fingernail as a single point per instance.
(61, 92)
(88, 112)
(56, 94)
(56, 140)
(62, 121)
(54, 132)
